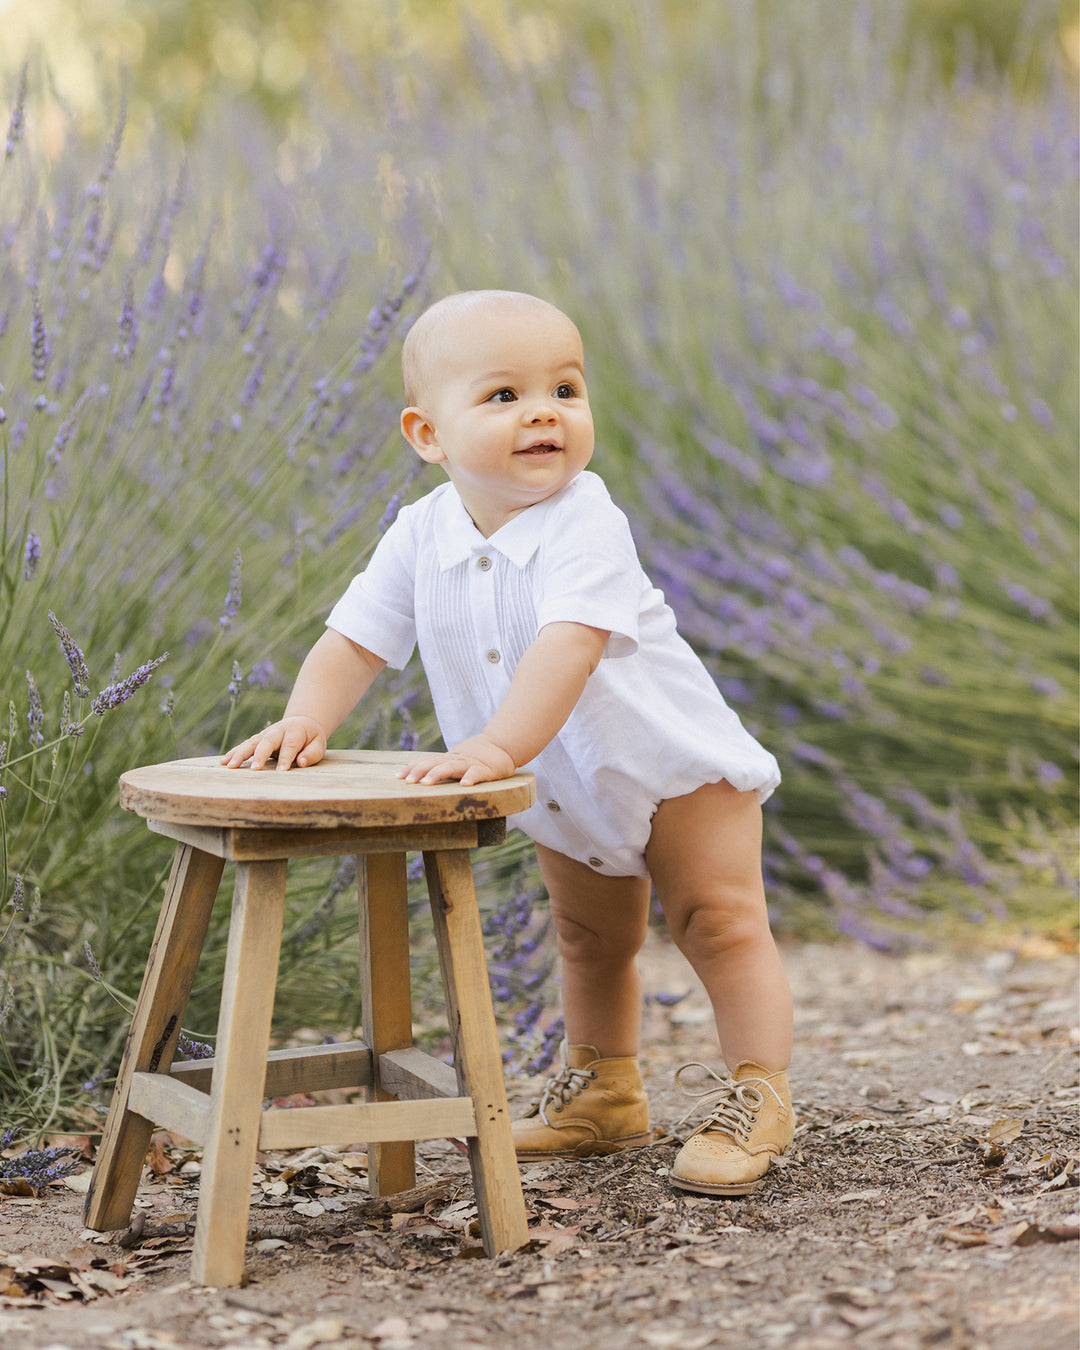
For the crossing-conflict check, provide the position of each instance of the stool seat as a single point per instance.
(347, 787)
(352, 802)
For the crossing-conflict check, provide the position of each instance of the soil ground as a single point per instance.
(929, 1200)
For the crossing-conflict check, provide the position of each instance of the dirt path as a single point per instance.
(929, 1201)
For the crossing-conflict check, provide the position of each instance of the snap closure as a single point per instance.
(596, 862)
(494, 657)
(484, 564)
(553, 806)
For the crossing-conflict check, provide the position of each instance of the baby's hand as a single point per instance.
(477, 760)
(298, 740)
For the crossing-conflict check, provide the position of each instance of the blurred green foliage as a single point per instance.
(175, 59)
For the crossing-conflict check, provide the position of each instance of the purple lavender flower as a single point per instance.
(234, 594)
(96, 190)
(271, 269)
(408, 738)
(236, 684)
(67, 428)
(252, 384)
(35, 717)
(18, 894)
(163, 396)
(262, 672)
(1036, 605)
(39, 339)
(80, 675)
(128, 323)
(68, 726)
(31, 555)
(119, 691)
(39, 1167)
(548, 1047)
(947, 576)
(18, 116)
(92, 962)
(670, 1000)
(194, 1049)
(393, 506)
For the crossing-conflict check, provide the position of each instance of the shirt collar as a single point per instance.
(457, 538)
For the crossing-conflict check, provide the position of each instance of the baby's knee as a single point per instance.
(719, 920)
(582, 943)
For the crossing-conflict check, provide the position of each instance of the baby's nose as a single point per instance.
(543, 412)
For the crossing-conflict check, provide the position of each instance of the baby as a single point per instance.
(546, 646)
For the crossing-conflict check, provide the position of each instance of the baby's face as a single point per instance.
(505, 410)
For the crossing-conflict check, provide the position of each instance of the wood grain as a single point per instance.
(347, 787)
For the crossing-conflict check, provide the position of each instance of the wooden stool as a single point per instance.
(350, 803)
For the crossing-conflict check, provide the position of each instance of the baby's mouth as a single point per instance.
(546, 448)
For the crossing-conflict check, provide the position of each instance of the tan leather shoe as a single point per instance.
(750, 1120)
(591, 1106)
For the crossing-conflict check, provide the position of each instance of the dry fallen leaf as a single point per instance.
(710, 1260)
(555, 1240)
(17, 1186)
(1022, 1234)
(157, 1160)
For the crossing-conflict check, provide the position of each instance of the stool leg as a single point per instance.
(386, 998)
(236, 1093)
(499, 1201)
(155, 1029)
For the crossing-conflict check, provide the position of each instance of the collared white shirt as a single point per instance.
(650, 724)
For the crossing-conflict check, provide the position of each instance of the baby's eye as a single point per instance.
(503, 396)
(565, 391)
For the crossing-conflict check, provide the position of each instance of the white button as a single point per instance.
(484, 564)
(553, 806)
(596, 862)
(494, 657)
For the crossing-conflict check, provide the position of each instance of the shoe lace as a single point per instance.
(733, 1105)
(567, 1083)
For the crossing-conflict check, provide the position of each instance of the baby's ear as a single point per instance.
(419, 431)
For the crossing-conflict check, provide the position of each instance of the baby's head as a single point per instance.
(495, 383)
(438, 332)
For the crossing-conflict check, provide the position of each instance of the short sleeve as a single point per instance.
(591, 573)
(377, 610)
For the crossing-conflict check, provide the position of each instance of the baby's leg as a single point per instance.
(704, 855)
(596, 1102)
(600, 923)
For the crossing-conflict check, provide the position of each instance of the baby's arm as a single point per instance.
(335, 676)
(543, 693)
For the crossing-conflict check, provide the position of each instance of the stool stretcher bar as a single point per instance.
(185, 1111)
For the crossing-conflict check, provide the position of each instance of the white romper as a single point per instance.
(650, 724)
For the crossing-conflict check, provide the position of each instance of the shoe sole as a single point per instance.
(597, 1149)
(712, 1188)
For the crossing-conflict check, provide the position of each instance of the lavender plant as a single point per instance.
(33, 1168)
(829, 302)
(832, 328)
(176, 400)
